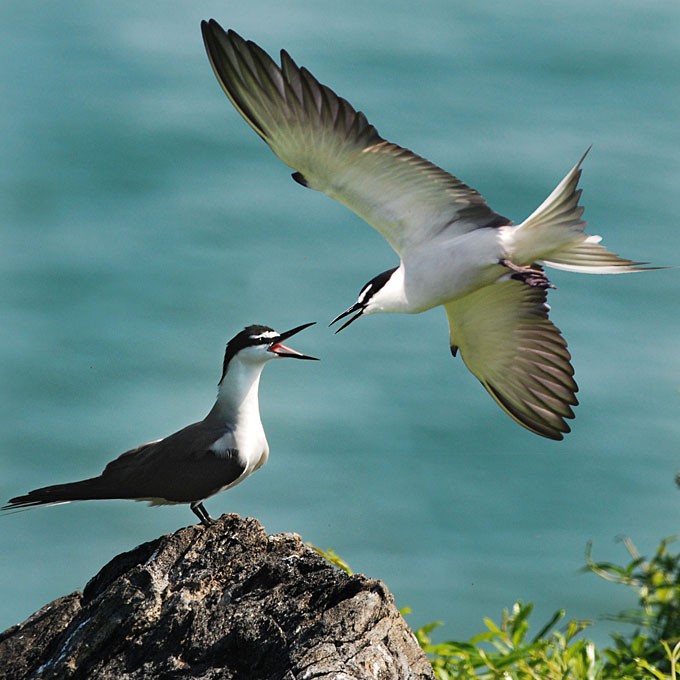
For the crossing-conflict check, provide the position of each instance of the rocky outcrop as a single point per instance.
(223, 602)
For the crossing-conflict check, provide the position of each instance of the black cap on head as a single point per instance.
(367, 292)
(257, 334)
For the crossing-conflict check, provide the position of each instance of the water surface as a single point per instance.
(142, 224)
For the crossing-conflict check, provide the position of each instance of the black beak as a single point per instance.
(277, 347)
(356, 307)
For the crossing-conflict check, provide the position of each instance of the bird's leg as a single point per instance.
(532, 276)
(199, 510)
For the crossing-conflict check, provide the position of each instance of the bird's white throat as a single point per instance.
(237, 393)
(390, 298)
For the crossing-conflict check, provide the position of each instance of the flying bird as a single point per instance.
(202, 459)
(454, 250)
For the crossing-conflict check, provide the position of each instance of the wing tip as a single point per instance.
(556, 429)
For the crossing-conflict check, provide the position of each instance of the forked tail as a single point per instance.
(554, 235)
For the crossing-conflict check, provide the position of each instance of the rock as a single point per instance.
(224, 602)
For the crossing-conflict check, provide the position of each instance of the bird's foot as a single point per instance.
(534, 277)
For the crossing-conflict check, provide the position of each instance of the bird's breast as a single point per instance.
(447, 269)
(253, 447)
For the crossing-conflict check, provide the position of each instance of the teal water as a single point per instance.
(142, 224)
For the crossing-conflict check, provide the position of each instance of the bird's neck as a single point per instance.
(237, 393)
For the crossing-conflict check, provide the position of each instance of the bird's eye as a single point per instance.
(263, 338)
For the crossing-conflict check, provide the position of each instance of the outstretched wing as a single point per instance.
(334, 148)
(517, 353)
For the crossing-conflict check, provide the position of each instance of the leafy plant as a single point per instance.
(654, 642)
(506, 651)
(332, 557)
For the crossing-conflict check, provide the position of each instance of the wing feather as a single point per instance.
(508, 342)
(181, 468)
(336, 150)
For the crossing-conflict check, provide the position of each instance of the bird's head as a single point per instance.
(258, 344)
(373, 297)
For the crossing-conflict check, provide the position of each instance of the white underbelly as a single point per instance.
(451, 269)
(249, 444)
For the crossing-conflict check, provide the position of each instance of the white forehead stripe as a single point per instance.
(267, 334)
(364, 293)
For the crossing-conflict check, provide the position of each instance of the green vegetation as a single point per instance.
(507, 651)
(332, 557)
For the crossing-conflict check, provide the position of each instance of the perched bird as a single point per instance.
(201, 459)
(454, 250)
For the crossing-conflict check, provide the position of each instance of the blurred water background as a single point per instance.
(142, 224)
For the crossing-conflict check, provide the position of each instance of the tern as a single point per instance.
(454, 250)
(202, 459)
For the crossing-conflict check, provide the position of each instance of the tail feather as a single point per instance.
(85, 490)
(554, 235)
(589, 257)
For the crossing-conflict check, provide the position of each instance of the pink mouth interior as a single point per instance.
(278, 348)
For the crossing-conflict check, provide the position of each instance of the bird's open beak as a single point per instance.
(356, 307)
(277, 347)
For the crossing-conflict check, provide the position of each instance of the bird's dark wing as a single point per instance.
(178, 469)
